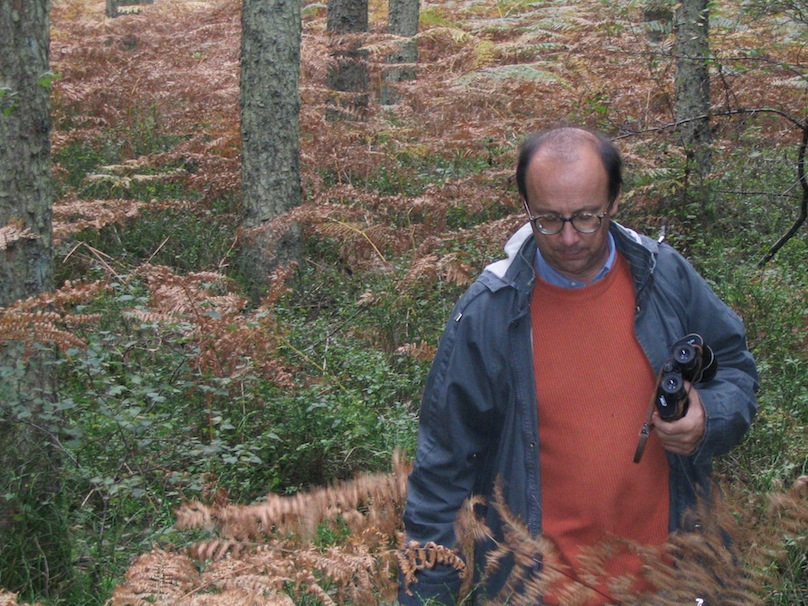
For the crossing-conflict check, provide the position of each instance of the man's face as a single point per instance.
(568, 186)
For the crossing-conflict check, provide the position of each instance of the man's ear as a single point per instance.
(614, 205)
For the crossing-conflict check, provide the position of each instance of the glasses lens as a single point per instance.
(549, 224)
(586, 222)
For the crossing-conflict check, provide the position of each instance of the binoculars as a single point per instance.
(690, 360)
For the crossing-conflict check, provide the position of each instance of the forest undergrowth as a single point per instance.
(183, 402)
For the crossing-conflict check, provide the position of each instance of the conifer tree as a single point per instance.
(349, 70)
(270, 133)
(402, 20)
(692, 102)
(33, 550)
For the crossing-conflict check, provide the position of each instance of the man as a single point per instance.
(546, 370)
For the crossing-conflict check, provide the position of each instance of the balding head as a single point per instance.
(565, 145)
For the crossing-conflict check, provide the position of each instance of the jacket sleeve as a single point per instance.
(729, 398)
(456, 422)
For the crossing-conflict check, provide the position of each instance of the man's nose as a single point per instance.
(569, 235)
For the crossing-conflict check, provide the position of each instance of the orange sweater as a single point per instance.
(593, 385)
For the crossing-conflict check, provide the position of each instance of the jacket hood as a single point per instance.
(512, 248)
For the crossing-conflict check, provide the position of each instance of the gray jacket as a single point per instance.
(479, 412)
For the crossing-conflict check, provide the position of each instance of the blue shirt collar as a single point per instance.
(548, 274)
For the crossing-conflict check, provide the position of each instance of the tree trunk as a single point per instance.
(692, 105)
(270, 135)
(348, 72)
(34, 553)
(402, 20)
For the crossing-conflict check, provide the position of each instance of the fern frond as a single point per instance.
(689, 564)
(450, 268)
(455, 34)
(48, 317)
(217, 549)
(205, 308)
(157, 577)
(376, 494)
(266, 546)
(72, 215)
(9, 234)
(415, 557)
(348, 231)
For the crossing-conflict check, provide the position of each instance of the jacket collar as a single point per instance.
(640, 251)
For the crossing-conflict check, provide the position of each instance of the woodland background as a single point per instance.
(179, 388)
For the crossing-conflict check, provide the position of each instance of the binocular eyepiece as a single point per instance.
(690, 360)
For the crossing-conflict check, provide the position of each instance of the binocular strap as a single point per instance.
(645, 431)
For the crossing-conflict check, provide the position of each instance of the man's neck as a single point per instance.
(549, 274)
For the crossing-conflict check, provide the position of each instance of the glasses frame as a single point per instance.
(571, 220)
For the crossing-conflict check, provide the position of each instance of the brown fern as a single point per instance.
(689, 565)
(467, 105)
(157, 577)
(205, 309)
(49, 318)
(11, 233)
(10, 599)
(265, 548)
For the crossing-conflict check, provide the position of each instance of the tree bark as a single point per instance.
(34, 553)
(692, 104)
(270, 136)
(349, 71)
(402, 20)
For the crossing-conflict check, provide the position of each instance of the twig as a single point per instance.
(55, 440)
(733, 112)
(99, 257)
(157, 250)
(803, 207)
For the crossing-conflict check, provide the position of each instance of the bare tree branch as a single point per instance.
(803, 207)
(803, 126)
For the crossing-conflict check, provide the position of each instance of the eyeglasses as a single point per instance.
(552, 223)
